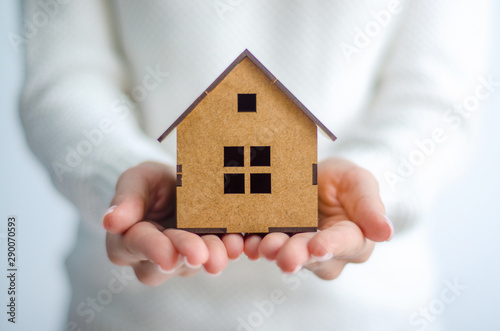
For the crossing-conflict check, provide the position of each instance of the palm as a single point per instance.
(161, 182)
(330, 209)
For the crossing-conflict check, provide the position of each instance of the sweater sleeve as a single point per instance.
(77, 116)
(418, 128)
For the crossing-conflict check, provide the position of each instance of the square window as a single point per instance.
(233, 156)
(260, 183)
(260, 156)
(247, 102)
(234, 183)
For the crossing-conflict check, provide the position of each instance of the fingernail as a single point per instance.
(297, 269)
(325, 257)
(214, 275)
(109, 211)
(236, 259)
(163, 271)
(388, 221)
(180, 263)
(189, 265)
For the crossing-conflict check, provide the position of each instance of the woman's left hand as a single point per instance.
(351, 219)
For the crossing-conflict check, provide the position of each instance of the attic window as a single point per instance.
(247, 103)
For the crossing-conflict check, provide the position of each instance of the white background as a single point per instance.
(465, 219)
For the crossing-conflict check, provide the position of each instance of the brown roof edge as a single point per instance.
(246, 53)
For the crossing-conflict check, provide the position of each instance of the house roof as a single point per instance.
(273, 79)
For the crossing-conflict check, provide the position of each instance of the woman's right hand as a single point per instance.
(138, 235)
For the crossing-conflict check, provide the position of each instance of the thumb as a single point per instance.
(358, 193)
(129, 203)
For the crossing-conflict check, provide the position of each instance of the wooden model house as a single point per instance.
(247, 156)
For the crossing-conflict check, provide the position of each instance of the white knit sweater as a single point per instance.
(384, 76)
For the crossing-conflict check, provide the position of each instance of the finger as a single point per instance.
(359, 194)
(327, 270)
(119, 218)
(342, 240)
(271, 244)
(141, 242)
(190, 245)
(149, 273)
(234, 245)
(217, 254)
(252, 247)
(129, 203)
(294, 253)
(331, 268)
(186, 271)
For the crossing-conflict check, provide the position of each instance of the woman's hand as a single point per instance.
(143, 206)
(351, 219)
